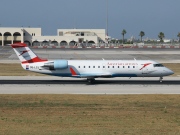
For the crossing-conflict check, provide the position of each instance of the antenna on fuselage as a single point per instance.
(134, 58)
(103, 59)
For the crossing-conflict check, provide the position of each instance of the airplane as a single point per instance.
(89, 69)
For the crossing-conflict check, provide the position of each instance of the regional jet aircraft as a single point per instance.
(89, 69)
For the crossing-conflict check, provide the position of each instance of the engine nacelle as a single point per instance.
(57, 64)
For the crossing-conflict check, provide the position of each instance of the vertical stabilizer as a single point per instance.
(25, 54)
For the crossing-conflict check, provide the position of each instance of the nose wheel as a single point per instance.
(160, 79)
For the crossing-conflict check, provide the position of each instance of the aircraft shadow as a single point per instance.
(97, 82)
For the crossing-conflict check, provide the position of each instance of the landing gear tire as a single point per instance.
(160, 79)
(90, 80)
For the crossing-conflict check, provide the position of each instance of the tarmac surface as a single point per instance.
(56, 85)
(162, 55)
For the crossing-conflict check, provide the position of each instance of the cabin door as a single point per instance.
(145, 70)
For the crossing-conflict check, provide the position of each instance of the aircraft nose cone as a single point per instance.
(170, 72)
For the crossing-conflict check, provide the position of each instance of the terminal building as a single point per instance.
(64, 37)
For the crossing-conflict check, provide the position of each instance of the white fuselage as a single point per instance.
(104, 68)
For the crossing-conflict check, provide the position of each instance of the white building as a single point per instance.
(64, 37)
(165, 40)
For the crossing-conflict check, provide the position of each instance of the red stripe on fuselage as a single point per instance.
(34, 60)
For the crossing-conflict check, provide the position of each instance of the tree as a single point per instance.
(178, 36)
(123, 33)
(161, 36)
(141, 34)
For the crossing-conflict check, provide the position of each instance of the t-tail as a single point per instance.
(25, 54)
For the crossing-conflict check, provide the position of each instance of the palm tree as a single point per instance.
(161, 36)
(141, 34)
(123, 33)
(178, 36)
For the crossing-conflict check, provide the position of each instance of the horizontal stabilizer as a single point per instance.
(18, 45)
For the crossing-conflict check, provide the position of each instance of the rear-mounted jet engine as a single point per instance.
(57, 65)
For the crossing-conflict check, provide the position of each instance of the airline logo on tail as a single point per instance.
(23, 52)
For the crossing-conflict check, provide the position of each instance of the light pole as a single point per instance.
(107, 18)
(107, 37)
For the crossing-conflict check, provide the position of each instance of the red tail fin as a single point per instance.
(25, 54)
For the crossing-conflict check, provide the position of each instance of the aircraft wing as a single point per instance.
(102, 75)
(90, 75)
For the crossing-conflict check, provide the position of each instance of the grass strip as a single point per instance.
(89, 114)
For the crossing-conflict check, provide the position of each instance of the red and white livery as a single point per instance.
(89, 69)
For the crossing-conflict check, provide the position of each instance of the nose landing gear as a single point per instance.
(160, 79)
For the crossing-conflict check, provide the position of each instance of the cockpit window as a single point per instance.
(158, 65)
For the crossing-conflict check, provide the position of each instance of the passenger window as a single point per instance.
(79, 67)
(89, 66)
(84, 66)
(93, 66)
(103, 66)
(98, 66)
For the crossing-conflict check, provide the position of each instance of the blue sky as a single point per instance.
(150, 16)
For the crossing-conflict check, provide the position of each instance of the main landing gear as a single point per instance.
(160, 79)
(90, 80)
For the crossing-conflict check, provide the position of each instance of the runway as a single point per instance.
(55, 85)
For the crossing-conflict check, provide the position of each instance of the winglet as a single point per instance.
(73, 72)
